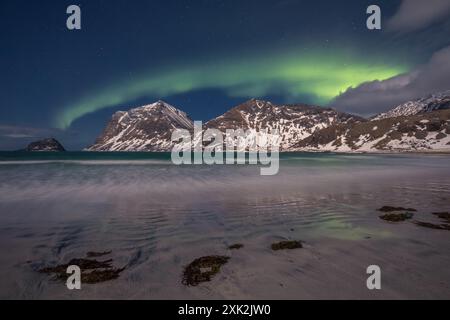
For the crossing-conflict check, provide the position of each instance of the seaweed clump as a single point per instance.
(443, 215)
(83, 264)
(433, 225)
(97, 276)
(92, 271)
(236, 246)
(396, 217)
(392, 209)
(94, 254)
(283, 245)
(203, 269)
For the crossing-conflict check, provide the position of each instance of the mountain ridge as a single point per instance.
(420, 132)
(293, 121)
(432, 102)
(301, 127)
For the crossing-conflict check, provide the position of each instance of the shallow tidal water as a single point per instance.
(156, 218)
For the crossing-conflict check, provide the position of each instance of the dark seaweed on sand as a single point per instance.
(203, 269)
(396, 217)
(443, 215)
(97, 276)
(84, 264)
(432, 225)
(92, 271)
(94, 254)
(291, 244)
(391, 209)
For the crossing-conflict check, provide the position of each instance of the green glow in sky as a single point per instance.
(292, 75)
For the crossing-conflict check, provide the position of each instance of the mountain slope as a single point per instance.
(420, 132)
(294, 122)
(147, 128)
(438, 101)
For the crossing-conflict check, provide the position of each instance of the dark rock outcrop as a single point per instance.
(49, 144)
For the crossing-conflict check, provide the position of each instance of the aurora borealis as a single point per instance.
(323, 76)
(206, 56)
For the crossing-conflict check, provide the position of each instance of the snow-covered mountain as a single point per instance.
(438, 101)
(147, 128)
(428, 131)
(293, 122)
(415, 126)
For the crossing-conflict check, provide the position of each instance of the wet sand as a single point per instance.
(157, 218)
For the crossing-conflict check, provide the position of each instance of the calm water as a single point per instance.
(157, 217)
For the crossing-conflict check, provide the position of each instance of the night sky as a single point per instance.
(206, 56)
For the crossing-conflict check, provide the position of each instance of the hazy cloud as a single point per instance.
(19, 132)
(378, 96)
(418, 14)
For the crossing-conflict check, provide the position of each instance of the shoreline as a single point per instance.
(383, 152)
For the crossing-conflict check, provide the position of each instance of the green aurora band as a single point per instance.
(320, 76)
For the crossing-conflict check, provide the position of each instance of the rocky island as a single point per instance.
(49, 144)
